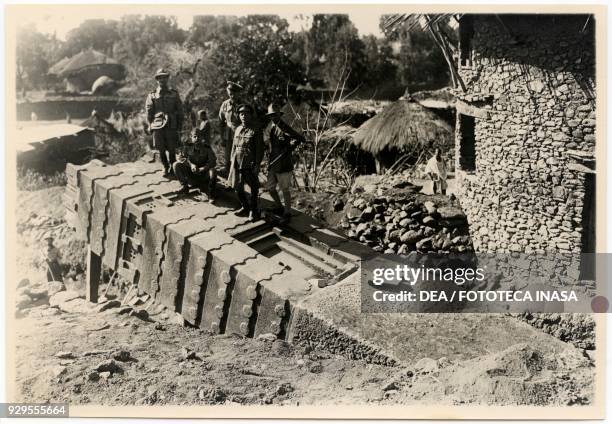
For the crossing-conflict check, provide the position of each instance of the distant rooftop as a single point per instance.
(28, 135)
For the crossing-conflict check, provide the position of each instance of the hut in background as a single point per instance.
(404, 132)
(441, 102)
(82, 70)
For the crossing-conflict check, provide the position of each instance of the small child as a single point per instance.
(52, 256)
(202, 131)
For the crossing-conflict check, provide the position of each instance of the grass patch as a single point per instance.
(29, 180)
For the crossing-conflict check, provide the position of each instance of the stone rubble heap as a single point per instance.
(400, 224)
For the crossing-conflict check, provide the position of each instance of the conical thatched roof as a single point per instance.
(59, 66)
(85, 59)
(402, 125)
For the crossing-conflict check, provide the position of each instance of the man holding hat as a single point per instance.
(247, 154)
(283, 140)
(229, 120)
(165, 117)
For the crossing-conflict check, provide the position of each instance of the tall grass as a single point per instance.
(29, 180)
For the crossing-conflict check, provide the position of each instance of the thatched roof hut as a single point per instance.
(59, 66)
(402, 126)
(84, 68)
(86, 59)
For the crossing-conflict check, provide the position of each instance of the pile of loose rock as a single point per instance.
(34, 298)
(402, 223)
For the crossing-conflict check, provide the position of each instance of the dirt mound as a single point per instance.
(519, 375)
(116, 366)
(578, 329)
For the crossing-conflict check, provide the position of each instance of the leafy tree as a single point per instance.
(259, 58)
(420, 61)
(331, 45)
(209, 28)
(347, 50)
(97, 34)
(137, 35)
(36, 52)
(380, 62)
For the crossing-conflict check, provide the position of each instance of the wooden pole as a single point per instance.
(94, 270)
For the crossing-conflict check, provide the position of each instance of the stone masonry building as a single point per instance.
(525, 133)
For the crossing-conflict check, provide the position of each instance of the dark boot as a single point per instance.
(244, 202)
(255, 215)
(212, 192)
(184, 189)
(242, 212)
(254, 201)
(164, 161)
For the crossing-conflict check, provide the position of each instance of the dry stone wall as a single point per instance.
(531, 79)
(535, 80)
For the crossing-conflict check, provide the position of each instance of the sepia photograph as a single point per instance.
(350, 211)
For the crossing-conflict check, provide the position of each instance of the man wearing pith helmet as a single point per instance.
(246, 158)
(283, 140)
(229, 120)
(165, 117)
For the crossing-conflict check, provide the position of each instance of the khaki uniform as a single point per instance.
(247, 154)
(230, 121)
(204, 159)
(165, 117)
(281, 163)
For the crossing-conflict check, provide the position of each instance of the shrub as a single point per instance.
(29, 180)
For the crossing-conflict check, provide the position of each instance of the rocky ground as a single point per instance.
(123, 355)
(129, 351)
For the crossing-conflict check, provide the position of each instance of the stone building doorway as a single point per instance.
(588, 240)
(467, 143)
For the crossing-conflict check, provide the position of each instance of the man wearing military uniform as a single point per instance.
(247, 154)
(165, 117)
(196, 165)
(229, 120)
(283, 140)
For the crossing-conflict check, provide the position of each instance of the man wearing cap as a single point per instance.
(247, 154)
(283, 140)
(165, 117)
(195, 165)
(229, 120)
